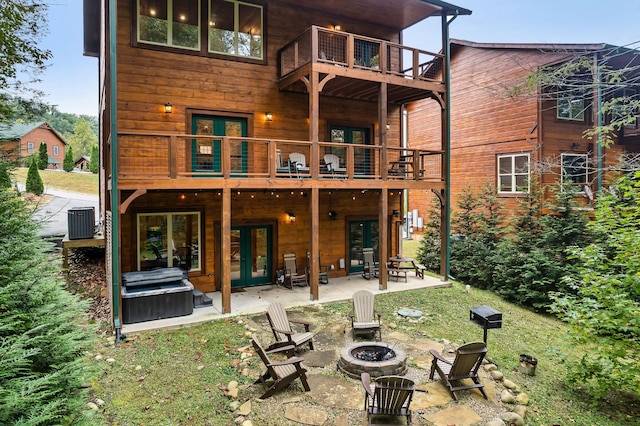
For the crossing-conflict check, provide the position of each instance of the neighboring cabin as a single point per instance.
(22, 140)
(223, 121)
(82, 163)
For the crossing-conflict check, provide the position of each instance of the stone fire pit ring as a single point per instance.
(394, 362)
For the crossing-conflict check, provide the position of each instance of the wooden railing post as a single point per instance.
(225, 157)
(173, 156)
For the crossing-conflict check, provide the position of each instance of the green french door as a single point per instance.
(250, 255)
(206, 153)
(362, 234)
(356, 135)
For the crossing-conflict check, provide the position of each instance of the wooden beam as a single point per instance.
(383, 231)
(314, 253)
(225, 250)
(130, 199)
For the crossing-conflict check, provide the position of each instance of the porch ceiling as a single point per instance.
(395, 14)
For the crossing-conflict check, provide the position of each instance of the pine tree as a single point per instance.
(5, 177)
(34, 183)
(43, 333)
(93, 163)
(67, 164)
(43, 156)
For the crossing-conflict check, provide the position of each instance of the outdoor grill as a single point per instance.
(156, 294)
(486, 317)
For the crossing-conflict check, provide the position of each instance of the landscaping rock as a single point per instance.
(512, 419)
(490, 367)
(409, 313)
(522, 399)
(460, 415)
(245, 409)
(509, 384)
(233, 405)
(497, 375)
(507, 397)
(247, 423)
(495, 422)
(520, 410)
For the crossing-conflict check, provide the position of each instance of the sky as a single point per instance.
(71, 80)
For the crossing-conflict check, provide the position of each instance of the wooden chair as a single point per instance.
(282, 373)
(465, 365)
(362, 315)
(292, 274)
(282, 331)
(388, 396)
(323, 274)
(332, 162)
(370, 267)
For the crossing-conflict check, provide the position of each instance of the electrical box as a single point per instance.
(80, 223)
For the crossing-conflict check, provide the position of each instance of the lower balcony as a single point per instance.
(160, 160)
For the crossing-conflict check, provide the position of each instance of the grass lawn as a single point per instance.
(81, 182)
(173, 377)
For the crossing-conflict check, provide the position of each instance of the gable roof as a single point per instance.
(17, 131)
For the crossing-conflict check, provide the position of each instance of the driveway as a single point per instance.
(54, 214)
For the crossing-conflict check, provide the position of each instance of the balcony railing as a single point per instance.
(321, 45)
(175, 156)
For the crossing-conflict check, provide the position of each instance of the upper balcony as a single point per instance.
(170, 161)
(353, 66)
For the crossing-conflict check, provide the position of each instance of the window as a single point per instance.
(55, 150)
(625, 108)
(235, 28)
(29, 147)
(570, 105)
(574, 169)
(173, 23)
(165, 239)
(513, 173)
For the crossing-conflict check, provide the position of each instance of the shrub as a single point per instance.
(67, 164)
(43, 156)
(93, 162)
(34, 183)
(43, 365)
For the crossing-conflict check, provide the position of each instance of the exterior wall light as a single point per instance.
(168, 109)
(291, 217)
(268, 116)
(333, 215)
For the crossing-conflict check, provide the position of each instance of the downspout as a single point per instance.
(447, 138)
(115, 211)
(598, 123)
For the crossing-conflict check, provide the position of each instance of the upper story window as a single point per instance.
(513, 173)
(570, 105)
(575, 169)
(235, 28)
(625, 108)
(174, 23)
(55, 150)
(29, 147)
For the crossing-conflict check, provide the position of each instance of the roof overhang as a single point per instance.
(395, 14)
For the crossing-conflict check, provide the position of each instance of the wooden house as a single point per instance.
(505, 138)
(82, 163)
(247, 130)
(20, 141)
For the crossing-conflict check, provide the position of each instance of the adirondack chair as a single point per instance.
(388, 396)
(282, 331)
(369, 264)
(299, 163)
(362, 315)
(332, 162)
(282, 373)
(465, 365)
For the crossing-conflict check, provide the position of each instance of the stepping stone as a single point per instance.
(335, 392)
(459, 415)
(306, 415)
(410, 313)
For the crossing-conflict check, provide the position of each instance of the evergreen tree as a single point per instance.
(67, 164)
(93, 163)
(5, 176)
(43, 156)
(43, 331)
(34, 183)
(428, 252)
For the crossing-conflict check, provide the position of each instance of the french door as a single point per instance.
(250, 255)
(362, 234)
(206, 153)
(354, 135)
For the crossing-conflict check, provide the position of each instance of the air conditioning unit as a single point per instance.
(81, 223)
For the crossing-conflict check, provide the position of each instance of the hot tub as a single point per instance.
(156, 294)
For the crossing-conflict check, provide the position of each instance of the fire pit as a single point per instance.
(377, 359)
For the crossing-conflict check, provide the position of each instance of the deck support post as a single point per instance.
(226, 249)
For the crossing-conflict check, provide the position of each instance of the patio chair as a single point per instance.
(282, 373)
(323, 274)
(370, 266)
(299, 163)
(465, 365)
(332, 162)
(282, 331)
(292, 274)
(388, 396)
(362, 315)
